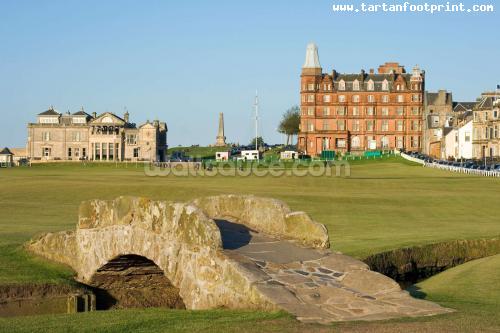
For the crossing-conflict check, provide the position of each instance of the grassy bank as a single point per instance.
(416, 263)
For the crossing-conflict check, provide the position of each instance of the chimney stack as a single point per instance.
(126, 117)
(94, 115)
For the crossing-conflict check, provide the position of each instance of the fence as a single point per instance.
(457, 169)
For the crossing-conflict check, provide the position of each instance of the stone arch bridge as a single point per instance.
(224, 251)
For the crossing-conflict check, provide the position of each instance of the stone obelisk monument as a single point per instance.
(221, 139)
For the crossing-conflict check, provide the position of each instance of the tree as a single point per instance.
(290, 122)
(260, 142)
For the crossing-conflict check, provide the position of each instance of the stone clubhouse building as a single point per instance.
(107, 137)
(362, 111)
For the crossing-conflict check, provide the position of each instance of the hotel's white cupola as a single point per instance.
(312, 65)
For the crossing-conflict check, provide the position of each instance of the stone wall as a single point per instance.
(269, 216)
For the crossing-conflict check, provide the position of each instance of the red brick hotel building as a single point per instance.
(360, 112)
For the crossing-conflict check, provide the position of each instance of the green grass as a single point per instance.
(473, 289)
(385, 204)
(156, 320)
(476, 283)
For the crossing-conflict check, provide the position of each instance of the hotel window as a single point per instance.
(311, 127)
(340, 143)
(399, 142)
(84, 152)
(399, 126)
(340, 125)
(371, 85)
(414, 141)
(385, 142)
(136, 152)
(355, 85)
(310, 111)
(369, 125)
(46, 136)
(341, 110)
(371, 99)
(415, 125)
(46, 152)
(385, 125)
(329, 86)
(355, 111)
(486, 115)
(401, 99)
(415, 111)
(355, 125)
(370, 111)
(398, 87)
(467, 136)
(69, 152)
(385, 111)
(415, 97)
(327, 98)
(342, 85)
(341, 98)
(325, 126)
(355, 98)
(326, 111)
(303, 98)
(310, 87)
(77, 152)
(325, 143)
(400, 111)
(385, 85)
(385, 99)
(355, 142)
(310, 98)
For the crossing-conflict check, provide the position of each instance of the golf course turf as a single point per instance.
(384, 204)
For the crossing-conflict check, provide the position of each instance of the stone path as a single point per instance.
(317, 285)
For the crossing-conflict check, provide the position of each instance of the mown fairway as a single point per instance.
(383, 205)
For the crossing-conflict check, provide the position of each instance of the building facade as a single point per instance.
(486, 127)
(107, 137)
(458, 141)
(359, 112)
(438, 121)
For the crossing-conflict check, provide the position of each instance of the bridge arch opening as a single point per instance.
(133, 281)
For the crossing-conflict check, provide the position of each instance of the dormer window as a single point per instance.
(355, 85)
(385, 85)
(371, 85)
(342, 85)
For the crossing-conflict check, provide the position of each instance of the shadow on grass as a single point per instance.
(416, 292)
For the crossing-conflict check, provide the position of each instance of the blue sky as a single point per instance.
(185, 61)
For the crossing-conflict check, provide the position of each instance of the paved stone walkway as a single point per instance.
(317, 285)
